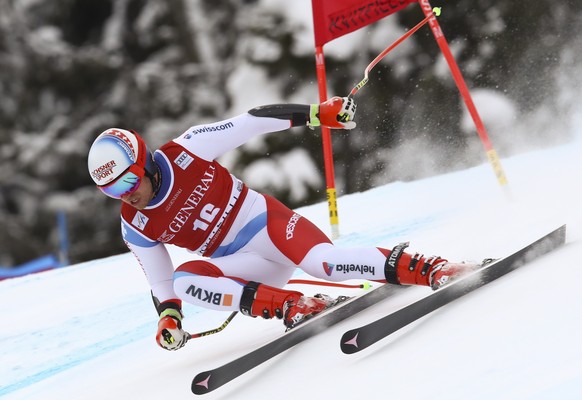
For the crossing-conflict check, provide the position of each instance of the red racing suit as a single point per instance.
(241, 235)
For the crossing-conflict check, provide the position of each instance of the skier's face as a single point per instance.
(140, 198)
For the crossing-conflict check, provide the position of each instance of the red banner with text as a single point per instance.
(335, 18)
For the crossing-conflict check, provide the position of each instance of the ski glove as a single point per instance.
(170, 335)
(337, 112)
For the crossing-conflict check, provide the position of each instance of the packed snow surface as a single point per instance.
(87, 331)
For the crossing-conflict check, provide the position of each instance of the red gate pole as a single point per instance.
(327, 147)
(462, 86)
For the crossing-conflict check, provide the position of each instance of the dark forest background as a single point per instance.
(71, 68)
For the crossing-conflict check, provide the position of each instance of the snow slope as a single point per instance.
(87, 331)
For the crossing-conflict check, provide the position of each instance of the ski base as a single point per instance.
(360, 338)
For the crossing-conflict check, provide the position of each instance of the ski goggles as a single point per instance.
(126, 183)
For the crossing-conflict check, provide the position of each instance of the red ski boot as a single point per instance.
(291, 306)
(402, 268)
(446, 272)
(306, 308)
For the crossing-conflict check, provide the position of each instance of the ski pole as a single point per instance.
(215, 330)
(365, 285)
(436, 11)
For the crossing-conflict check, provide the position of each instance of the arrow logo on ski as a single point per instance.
(350, 341)
(353, 341)
(201, 386)
(204, 383)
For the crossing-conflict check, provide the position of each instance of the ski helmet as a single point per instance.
(118, 160)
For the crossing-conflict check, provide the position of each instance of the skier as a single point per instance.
(251, 242)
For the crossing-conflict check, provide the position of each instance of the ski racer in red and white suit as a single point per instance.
(251, 242)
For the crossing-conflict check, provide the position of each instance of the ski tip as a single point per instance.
(200, 383)
(349, 342)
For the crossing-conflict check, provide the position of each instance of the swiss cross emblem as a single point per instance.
(122, 136)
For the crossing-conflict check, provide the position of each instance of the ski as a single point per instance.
(360, 338)
(207, 381)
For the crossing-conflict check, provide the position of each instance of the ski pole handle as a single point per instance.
(436, 11)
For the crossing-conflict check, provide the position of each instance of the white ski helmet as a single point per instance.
(118, 160)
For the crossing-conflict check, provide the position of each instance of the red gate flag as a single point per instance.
(335, 18)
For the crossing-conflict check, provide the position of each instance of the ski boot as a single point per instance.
(307, 307)
(291, 306)
(446, 272)
(402, 268)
